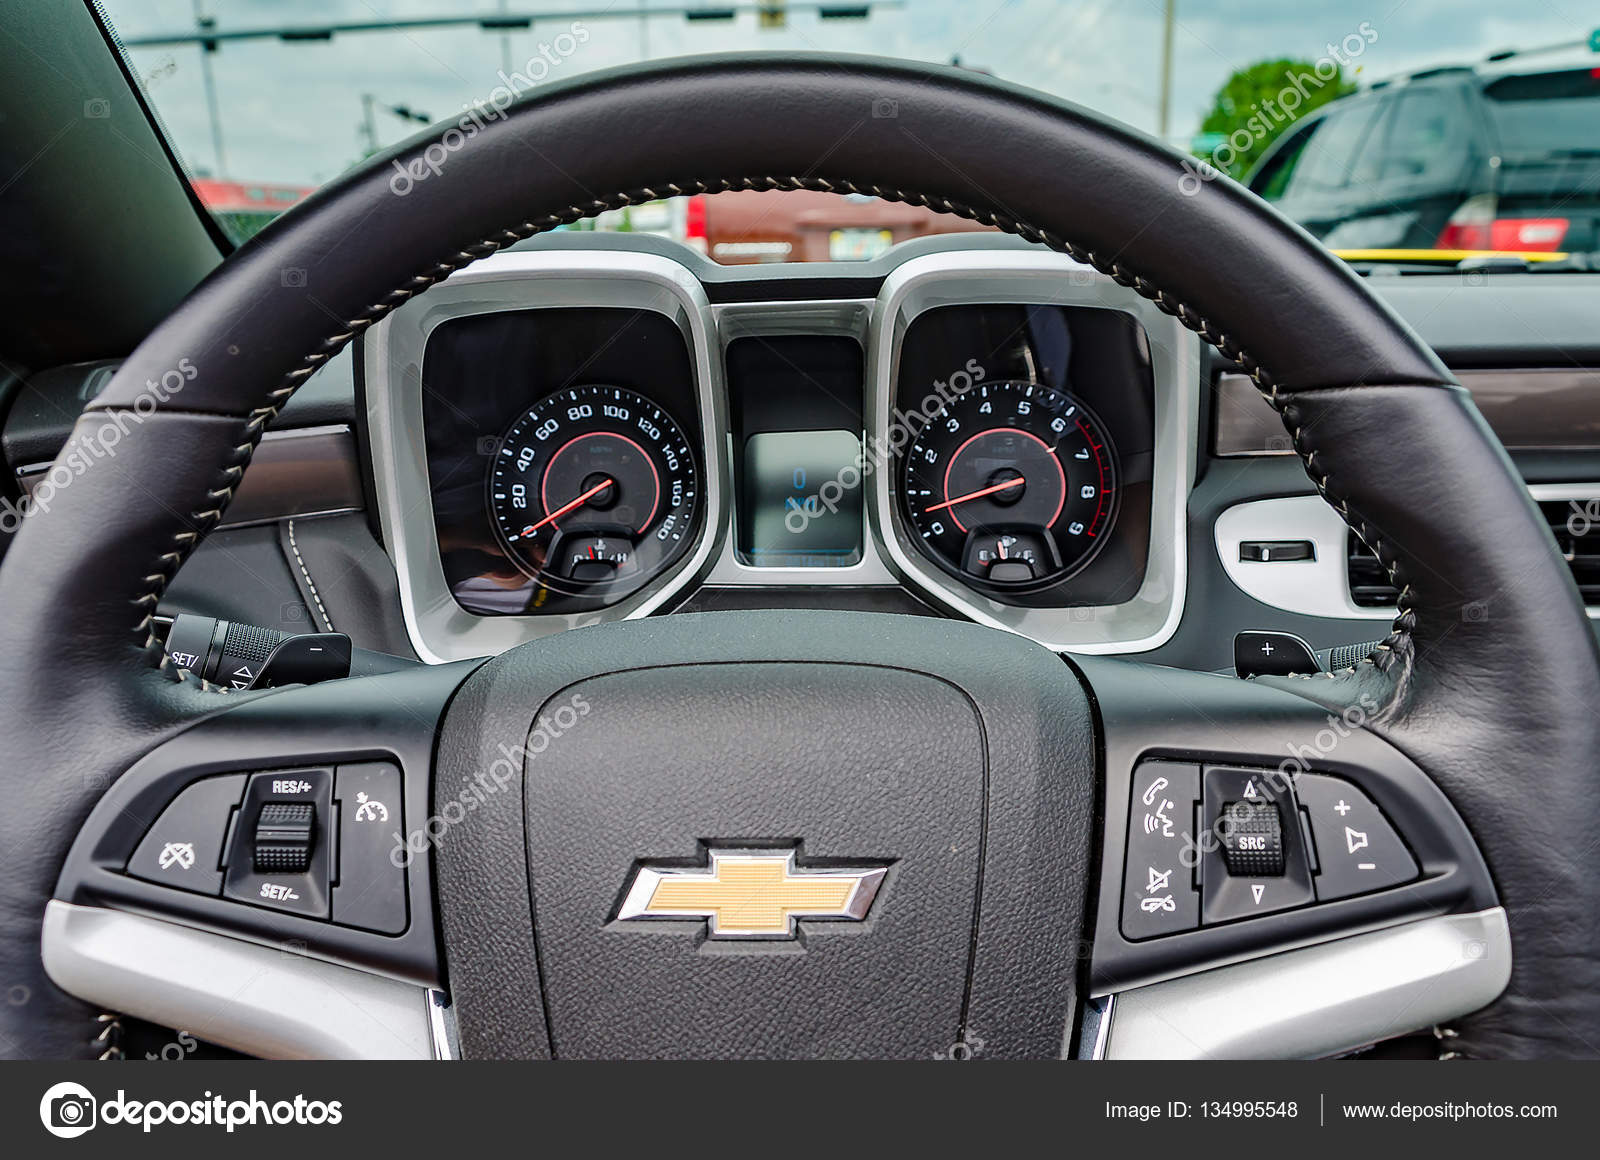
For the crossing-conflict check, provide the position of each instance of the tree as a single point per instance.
(1261, 102)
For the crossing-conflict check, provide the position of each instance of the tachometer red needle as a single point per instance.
(1010, 483)
(567, 507)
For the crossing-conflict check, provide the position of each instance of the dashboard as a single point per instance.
(815, 436)
(564, 436)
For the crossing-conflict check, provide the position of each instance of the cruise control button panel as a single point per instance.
(318, 842)
(1358, 851)
(282, 851)
(184, 847)
(1158, 895)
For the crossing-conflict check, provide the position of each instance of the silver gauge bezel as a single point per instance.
(968, 277)
(439, 628)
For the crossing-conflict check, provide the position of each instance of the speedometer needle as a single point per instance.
(567, 507)
(1010, 483)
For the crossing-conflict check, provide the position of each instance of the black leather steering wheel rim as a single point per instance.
(1488, 681)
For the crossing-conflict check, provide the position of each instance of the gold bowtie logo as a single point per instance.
(753, 894)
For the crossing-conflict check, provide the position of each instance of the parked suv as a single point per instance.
(1500, 156)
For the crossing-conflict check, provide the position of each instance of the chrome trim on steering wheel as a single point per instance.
(269, 1002)
(1320, 1000)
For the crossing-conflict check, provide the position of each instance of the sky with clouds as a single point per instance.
(292, 112)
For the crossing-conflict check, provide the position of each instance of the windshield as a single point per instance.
(1405, 135)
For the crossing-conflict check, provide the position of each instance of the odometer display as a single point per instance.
(593, 490)
(1011, 485)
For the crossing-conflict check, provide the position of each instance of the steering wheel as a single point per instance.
(976, 785)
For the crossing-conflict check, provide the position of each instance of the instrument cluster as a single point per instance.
(989, 458)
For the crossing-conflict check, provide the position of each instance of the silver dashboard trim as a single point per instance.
(964, 277)
(439, 628)
(1320, 1000)
(1319, 587)
(1095, 1032)
(1316, 587)
(269, 1002)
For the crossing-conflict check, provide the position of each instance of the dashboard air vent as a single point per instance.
(1369, 582)
(1575, 524)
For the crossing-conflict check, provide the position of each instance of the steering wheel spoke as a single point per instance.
(1277, 879)
(277, 838)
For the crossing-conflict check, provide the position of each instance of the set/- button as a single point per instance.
(284, 833)
(283, 849)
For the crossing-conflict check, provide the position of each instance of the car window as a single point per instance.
(1273, 180)
(1333, 151)
(1369, 155)
(1419, 141)
(1549, 114)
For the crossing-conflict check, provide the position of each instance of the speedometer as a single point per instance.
(593, 490)
(1011, 484)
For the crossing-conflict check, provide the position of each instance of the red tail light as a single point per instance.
(1528, 233)
(1520, 234)
(694, 222)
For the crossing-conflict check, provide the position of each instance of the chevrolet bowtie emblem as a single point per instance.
(752, 893)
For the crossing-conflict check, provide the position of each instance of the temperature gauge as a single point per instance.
(1007, 557)
(596, 558)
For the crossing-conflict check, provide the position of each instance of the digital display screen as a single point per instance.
(801, 500)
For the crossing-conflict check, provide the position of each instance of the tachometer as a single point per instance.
(1011, 484)
(594, 490)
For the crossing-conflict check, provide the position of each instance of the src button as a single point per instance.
(1252, 839)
